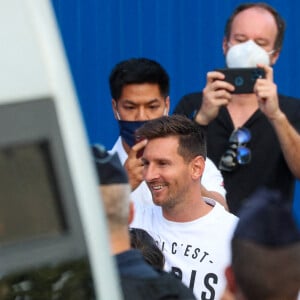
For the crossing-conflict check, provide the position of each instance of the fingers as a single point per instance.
(223, 95)
(265, 87)
(268, 71)
(134, 165)
(214, 75)
(133, 153)
(215, 82)
(264, 91)
(135, 175)
(217, 93)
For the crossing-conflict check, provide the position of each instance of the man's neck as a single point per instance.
(241, 108)
(187, 210)
(120, 241)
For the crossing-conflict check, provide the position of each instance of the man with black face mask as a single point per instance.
(253, 138)
(140, 92)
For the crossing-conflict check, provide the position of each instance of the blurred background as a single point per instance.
(185, 36)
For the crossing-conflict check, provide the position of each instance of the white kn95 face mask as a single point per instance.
(247, 55)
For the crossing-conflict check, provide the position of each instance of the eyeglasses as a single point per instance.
(237, 153)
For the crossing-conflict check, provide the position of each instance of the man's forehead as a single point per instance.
(140, 89)
(161, 146)
(140, 100)
(255, 23)
(254, 15)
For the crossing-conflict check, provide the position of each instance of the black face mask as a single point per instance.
(127, 130)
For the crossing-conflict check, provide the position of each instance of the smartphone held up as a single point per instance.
(243, 79)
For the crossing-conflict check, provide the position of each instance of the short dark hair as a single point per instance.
(278, 20)
(266, 273)
(191, 136)
(138, 71)
(142, 240)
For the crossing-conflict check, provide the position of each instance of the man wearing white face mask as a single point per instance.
(140, 92)
(246, 55)
(266, 151)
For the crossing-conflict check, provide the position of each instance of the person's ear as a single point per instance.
(274, 57)
(167, 107)
(131, 212)
(115, 109)
(197, 167)
(225, 45)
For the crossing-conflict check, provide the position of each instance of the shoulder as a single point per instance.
(291, 107)
(188, 103)
(212, 178)
(221, 223)
(220, 215)
(192, 96)
(288, 99)
(165, 286)
(176, 286)
(289, 104)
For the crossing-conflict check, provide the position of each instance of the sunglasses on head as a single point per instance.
(237, 153)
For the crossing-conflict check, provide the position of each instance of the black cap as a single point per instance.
(267, 219)
(109, 167)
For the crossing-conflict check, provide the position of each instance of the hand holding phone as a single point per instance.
(243, 79)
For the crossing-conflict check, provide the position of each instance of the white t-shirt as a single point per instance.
(212, 178)
(197, 251)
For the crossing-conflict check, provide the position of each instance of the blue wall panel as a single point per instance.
(185, 36)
